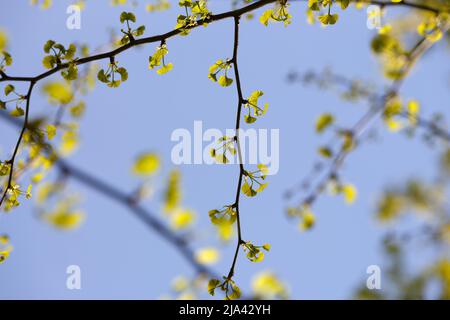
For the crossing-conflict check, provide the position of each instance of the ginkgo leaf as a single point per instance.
(70, 52)
(3, 40)
(172, 194)
(123, 74)
(308, 220)
(182, 218)
(124, 16)
(69, 142)
(221, 158)
(313, 5)
(259, 257)
(222, 217)
(4, 168)
(139, 31)
(413, 107)
(344, 4)
(7, 58)
(49, 62)
(38, 177)
(349, 142)
(5, 248)
(102, 76)
(253, 99)
(263, 169)
(78, 109)
(249, 119)
(235, 292)
(48, 45)
(265, 17)
(267, 285)
(328, 19)
(71, 73)
(279, 13)
(261, 187)
(431, 32)
(225, 231)
(212, 285)
(325, 152)
(254, 253)
(393, 125)
(180, 283)
(45, 190)
(3, 256)
(28, 194)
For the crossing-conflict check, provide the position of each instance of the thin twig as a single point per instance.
(162, 37)
(116, 194)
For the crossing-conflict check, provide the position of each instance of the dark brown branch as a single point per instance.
(141, 41)
(405, 3)
(430, 128)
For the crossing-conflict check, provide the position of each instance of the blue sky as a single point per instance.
(118, 256)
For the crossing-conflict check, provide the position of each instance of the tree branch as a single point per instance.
(162, 37)
(236, 14)
(363, 92)
(139, 212)
(127, 201)
(238, 144)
